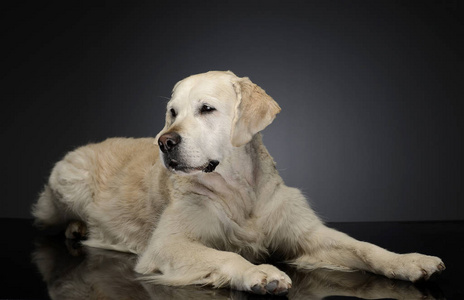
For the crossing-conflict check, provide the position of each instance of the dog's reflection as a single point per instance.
(322, 283)
(74, 272)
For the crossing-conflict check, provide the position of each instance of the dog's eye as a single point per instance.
(206, 109)
(173, 113)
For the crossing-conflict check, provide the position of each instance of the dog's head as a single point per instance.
(208, 116)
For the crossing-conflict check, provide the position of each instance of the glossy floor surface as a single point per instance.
(43, 266)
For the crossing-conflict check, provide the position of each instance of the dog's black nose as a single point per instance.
(168, 141)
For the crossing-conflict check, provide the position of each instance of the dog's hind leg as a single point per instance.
(76, 230)
(68, 191)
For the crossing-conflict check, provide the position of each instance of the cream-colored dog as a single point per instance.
(203, 203)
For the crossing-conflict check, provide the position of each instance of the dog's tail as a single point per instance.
(46, 211)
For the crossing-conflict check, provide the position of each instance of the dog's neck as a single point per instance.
(246, 170)
(250, 163)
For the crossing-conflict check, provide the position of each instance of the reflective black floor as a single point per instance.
(39, 266)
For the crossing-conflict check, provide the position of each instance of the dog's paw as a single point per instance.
(76, 230)
(266, 279)
(415, 267)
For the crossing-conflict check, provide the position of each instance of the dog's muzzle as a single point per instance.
(175, 166)
(168, 143)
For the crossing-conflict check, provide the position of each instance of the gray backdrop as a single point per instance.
(370, 127)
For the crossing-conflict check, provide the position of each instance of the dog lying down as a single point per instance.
(202, 202)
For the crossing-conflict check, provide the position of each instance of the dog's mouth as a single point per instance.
(175, 166)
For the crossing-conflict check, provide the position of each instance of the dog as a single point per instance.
(203, 203)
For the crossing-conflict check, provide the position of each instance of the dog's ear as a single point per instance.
(254, 111)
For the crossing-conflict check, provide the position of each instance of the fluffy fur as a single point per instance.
(214, 228)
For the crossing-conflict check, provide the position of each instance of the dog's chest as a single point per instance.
(241, 235)
(225, 220)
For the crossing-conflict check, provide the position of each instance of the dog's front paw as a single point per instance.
(266, 279)
(415, 267)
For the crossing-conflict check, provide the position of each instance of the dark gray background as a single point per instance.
(371, 124)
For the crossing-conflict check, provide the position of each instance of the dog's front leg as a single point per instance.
(175, 259)
(308, 243)
(180, 261)
(329, 248)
